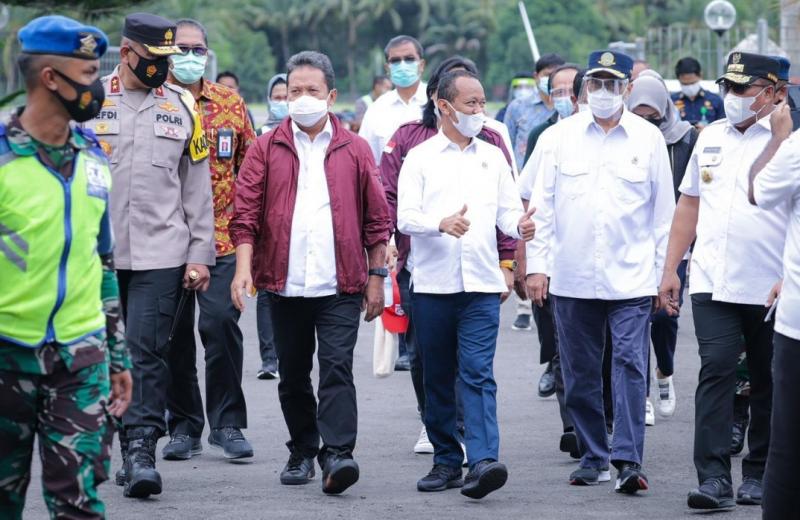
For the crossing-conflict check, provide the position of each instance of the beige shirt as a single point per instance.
(161, 208)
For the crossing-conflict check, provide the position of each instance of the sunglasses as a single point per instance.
(406, 59)
(198, 50)
(740, 90)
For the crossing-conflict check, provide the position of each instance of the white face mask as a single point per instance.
(468, 125)
(604, 104)
(306, 111)
(691, 90)
(737, 109)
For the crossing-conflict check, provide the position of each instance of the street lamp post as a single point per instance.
(720, 15)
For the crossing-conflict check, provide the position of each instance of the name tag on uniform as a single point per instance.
(177, 133)
(96, 185)
(225, 143)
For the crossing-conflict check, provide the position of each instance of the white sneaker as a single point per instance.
(649, 414)
(666, 397)
(423, 445)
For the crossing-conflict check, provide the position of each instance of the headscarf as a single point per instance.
(650, 90)
(271, 121)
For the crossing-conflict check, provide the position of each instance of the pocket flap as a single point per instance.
(177, 133)
(709, 159)
(631, 173)
(104, 127)
(574, 168)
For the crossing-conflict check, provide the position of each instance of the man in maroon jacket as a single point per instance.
(310, 214)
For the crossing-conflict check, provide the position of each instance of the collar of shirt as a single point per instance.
(23, 144)
(443, 143)
(622, 126)
(759, 126)
(420, 97)
(299, 134)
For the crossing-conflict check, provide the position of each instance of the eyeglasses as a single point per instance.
(198, 50)
(561, 92)
(607, 84)
(406, 59)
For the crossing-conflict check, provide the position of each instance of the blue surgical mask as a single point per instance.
(404, 74)
(188, 68)
(279, 109)
(544, 84)
(563, 106)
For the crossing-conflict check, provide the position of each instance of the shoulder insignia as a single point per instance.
(159, 92)
(198, 145)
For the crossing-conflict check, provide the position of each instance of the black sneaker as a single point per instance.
(403, 364)
(339, 472)
(749, 493)
(589, 476)
(569, 444)
(299, 470)
(268, 371)
(231, 441)
(630, 479)
(182, 447)
(440, 478)
(714, 493)
(523, 322)
(484, 477)
(741, 420)
(547, 383)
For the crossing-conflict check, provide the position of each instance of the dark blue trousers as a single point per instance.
(581, 327)
(457, 333)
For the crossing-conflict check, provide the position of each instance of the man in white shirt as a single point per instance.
(605, 199)
(774, 182)
(735, 263)
(453, 190)
(405, 64)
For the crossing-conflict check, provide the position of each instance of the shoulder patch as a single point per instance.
(198, 145)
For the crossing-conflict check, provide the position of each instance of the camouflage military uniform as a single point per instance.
(60, 392)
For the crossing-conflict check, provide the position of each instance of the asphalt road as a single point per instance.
(208, 487)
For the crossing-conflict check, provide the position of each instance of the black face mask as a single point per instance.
(655, 120)
(87, 102)
(153, 73)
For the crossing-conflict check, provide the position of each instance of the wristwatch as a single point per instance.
(379, 271)
(511, 265)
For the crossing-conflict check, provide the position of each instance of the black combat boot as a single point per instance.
(140, 465)
(122, 475)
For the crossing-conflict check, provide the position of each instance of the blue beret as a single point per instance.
(62, 36)
(615, 63)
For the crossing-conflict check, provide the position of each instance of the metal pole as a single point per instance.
(720, 55)
(529, 31)
(762, 32)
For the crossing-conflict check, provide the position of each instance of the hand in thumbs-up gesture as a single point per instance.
(526, 227)
(455, 225)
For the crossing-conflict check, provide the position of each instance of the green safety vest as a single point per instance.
(50, 270)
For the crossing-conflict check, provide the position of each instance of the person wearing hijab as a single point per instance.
(650, 99)
(277, 95)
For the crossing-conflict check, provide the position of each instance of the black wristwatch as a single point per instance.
(379, 271)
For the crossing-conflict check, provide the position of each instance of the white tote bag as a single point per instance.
(385, 351)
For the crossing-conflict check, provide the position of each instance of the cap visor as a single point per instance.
(739, 79)
(613, 72)
(165, 50)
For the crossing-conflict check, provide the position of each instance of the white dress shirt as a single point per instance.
(604, 205)
(312, 258)
(437, 179)
(386, 114)
(737, 255)
(776, 186)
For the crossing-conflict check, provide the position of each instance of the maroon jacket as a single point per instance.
(404, 139)
(266, 190)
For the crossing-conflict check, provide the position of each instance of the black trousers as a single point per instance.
(266, 340)
(414, 355)
(719, 327)
(335, 321)
(781, 487)
(149, 301)
(218, 325)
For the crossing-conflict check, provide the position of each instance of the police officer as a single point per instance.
(55, 266)
(163, 221)
(695, 104)
(735, 264)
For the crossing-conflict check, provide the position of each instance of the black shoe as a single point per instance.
(589, 476)
(142, 479)
(268, 371)
(741, 420)
(339, 472)
(569, 444)
(182, 447)
(440, 478)
(299, 470)
(523, 322)
(403, 364)
(749, 493)
(122, 476)
(231, 441)
(547, 383)
(630, 479)
(484, 477)
(714, 493)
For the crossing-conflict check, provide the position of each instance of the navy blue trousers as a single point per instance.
(457, 335)
(581, 327)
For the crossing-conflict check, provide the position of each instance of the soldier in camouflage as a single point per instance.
(64, 368)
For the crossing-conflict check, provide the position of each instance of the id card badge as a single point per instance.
(224, 143)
